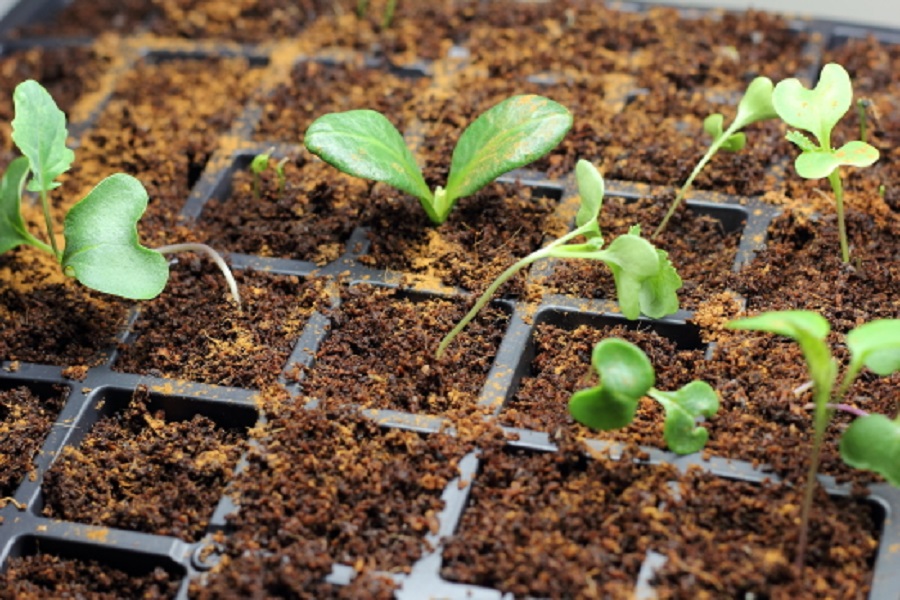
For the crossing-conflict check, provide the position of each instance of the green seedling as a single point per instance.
(626, 376)
(756, 105)
(102, 249)
(512, 134)
(646, 281)
(817, 111)
(871, 442)
(258, 166)
(387, 18)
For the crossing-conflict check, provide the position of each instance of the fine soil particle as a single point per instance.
(561, 525)
(136, 470)
(380, 353)
(485, 234)
(310, 219)
(351, 493)
(220, 344)
(46, 576)
(25, 420)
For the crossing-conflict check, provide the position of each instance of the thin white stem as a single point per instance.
(216, 258)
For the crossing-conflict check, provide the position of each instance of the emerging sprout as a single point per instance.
(102, 249)
(817, 111)
(871, 442)
(513, 133)
(626, 376)
(258, 166)
(645, 279)
(756, 105)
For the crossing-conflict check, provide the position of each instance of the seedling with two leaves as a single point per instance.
(515, 132)
(102, 250)
(626, 376)
(646, 281)
(872, 441)
(756, 105)
(818, 111)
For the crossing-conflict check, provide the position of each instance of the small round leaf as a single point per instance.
(873, 443)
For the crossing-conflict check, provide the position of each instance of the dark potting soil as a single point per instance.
(220, 344)
(315, 89)
(42, 576)
(380, 354)
(485, 234)
(563, 525)
(25, 420)
(310, 219)
(162, 125)
(361, 496)
(137, 470)
(639, 85)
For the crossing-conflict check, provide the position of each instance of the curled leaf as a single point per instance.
(626, 375)
(712, 125)
(684, 408)
(873, 443)
(12, 228)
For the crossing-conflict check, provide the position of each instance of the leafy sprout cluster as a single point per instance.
(816, 111)
(102, 249)
(872, 441)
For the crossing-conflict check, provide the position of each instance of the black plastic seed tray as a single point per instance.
(25, 531)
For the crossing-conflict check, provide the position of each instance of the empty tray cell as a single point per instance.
(27, 412)
(702, 242)
(302, 219)
(39, 567)
(557, 362)
(194, 331)
(560, 524)
(485, 234)
(148, 462)
(380, 353)
(369, 499)
(317, 88)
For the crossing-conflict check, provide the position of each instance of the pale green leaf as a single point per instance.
(39, 130)
(756, 104)
(818, 110)
(102, 248)
(591, 189)
(876, 345)
(684, 408)
(633, 261)
(873, 443)
(12, 228)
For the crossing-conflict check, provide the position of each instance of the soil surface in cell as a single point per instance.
(48, 576)
(137, 470)
(25, 419)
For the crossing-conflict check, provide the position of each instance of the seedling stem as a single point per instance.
(216, 258)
